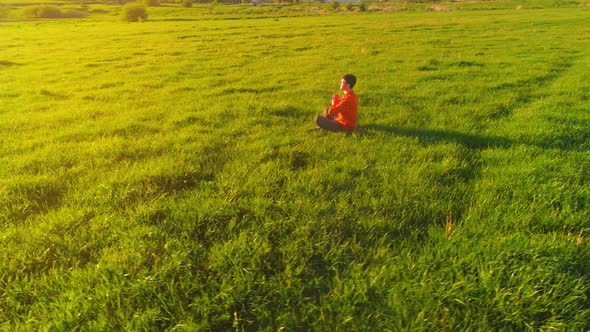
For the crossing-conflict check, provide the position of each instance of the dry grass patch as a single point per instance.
(440, 8)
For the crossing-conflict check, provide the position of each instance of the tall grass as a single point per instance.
(160, 176)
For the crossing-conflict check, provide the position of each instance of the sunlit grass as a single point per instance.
(160, 175)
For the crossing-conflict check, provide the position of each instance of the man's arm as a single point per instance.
(335, 99)
(339, 107)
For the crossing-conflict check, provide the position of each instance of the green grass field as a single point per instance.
(160, 175)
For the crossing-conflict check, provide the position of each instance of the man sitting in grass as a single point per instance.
(341, 115)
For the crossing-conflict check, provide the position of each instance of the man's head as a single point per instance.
(350, 79)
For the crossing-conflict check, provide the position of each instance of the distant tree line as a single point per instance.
(229, 2)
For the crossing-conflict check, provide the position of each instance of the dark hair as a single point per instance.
(350, 79)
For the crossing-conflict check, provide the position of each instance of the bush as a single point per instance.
(363, 7)
(133, 12)
(75, 13)
(349, 6)
(3, 11)
(152, 3)
(187, 3)
(42, 12)
(335, 5)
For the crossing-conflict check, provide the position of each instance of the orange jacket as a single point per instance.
(345, 110)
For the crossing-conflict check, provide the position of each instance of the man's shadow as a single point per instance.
(576, 141)
(429, 136)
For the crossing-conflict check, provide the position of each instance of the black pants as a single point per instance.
(328, 123)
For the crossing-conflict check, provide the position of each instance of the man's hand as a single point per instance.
(327, 115)
(335, 99)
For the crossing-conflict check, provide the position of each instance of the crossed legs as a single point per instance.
(327, 122)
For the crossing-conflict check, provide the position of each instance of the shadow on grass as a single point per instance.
(574, 142)
(4, 63)
(436, 136)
